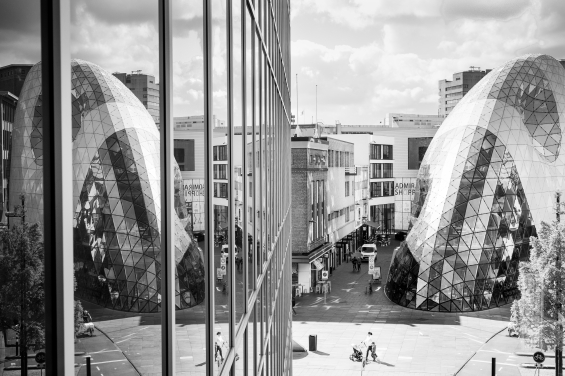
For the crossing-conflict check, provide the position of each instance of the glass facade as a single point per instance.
(117, 225)
(131, 228)
(492, 169)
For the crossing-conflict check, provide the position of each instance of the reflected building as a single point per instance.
(116, 192)
(489, 175)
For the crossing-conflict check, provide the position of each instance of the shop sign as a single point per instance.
(220, 273)
(325, 275)
(318, 264)
(371, 264)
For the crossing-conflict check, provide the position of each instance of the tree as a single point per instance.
(22, 292)
(540, 279)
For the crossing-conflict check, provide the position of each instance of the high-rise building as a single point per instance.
(451, 92)
(12, 77)
(489, 178)
(144, 87)
(8, 102)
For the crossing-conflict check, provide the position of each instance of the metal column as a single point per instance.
(57, 186)
(168, 343)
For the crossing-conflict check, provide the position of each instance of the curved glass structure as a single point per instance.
(116, 192)
(492, 169)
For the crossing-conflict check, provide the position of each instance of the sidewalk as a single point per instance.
(409, 342)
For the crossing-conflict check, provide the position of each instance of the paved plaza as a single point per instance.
(409, 342)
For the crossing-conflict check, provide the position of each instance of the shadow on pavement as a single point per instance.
(321, 353)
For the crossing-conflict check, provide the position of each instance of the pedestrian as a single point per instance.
(354, 262)
(293, 304)
(371, 347)
(220, 342)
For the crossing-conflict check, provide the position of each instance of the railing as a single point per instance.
(351, 170)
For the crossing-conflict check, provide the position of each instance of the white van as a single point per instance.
(368, 250)
(225, 248)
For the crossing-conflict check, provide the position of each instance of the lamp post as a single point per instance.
(19, 211)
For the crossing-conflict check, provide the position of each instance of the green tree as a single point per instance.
(540, 282)
(22, 274)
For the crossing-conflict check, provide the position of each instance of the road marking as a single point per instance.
(185, 357)
(496, 351)
(500, 369)
(98, 368)
(127, 339)
(485, 361)
(99, 352)
(109, 361)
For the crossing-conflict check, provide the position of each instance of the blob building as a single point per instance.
(489, 176)
(116, 192)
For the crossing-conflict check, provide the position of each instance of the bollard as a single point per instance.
(313, 343)
(88, 371)
(493, 366)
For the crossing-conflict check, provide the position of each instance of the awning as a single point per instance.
(375, 225)
(315, 254)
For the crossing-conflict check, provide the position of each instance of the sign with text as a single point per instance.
(220, 273)
(371, 264)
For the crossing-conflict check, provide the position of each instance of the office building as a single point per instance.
(115, 158)
(8, 102)
(145, 88)
(489, 177)
(12, 77)
(409, 144)
(451, 92)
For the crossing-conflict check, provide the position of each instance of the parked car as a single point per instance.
(368, 250)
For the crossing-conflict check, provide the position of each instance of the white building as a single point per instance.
(412, 120)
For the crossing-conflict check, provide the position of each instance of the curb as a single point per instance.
(475, 353)
(533, 366)
(530, 354)
(31, 356)
(128, 359)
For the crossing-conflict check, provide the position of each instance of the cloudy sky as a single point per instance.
(368, 57)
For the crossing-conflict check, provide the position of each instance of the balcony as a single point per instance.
(351, 171)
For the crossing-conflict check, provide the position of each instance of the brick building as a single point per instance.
(325, 185)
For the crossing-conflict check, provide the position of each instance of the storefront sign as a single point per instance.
(324, 275)
(318, 264)
(404, 188)
(371, 264)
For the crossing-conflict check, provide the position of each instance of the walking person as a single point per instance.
(220, 342)
(293, 304)
(371, 347)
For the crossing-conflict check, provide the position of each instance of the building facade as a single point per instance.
(451, 92)
(502, 149)
(8, 102)
(326, 186)
(117, 225)
(145, 88)
(412, 120)
(409, 144)
(12, 77)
